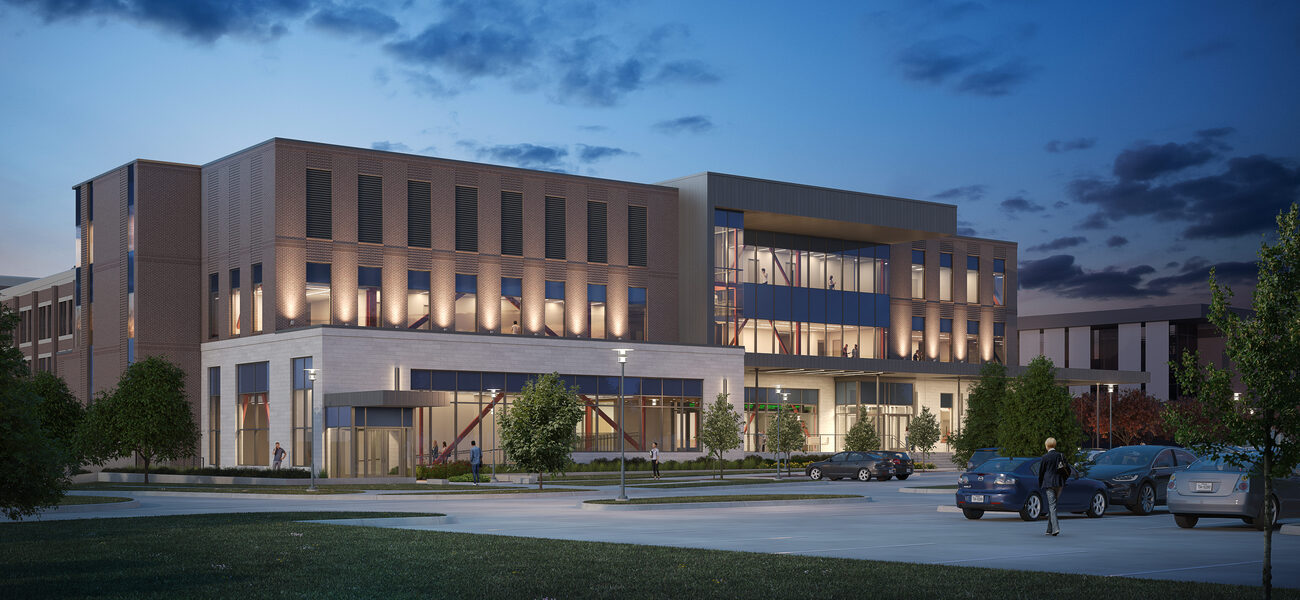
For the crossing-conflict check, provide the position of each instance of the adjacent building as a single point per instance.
(372, 310)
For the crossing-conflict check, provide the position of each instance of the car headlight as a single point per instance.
(1125, 478)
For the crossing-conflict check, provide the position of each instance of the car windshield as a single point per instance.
(1210, 464)
(1133, 457)
(1001, 465)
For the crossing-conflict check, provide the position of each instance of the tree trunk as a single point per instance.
(721, 466)
(539, 480)
(146, 468)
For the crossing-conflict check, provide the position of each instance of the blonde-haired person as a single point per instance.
(1052, 473)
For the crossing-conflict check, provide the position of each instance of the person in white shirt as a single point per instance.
(654, 458)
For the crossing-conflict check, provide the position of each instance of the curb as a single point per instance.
(393, 495)
(917, 490)
(686, 505)
(1292, 529)
(78, 508)
(949, 509)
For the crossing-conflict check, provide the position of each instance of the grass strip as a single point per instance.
(695, 484)
(732, 498)
(217, 488)
(75, 500)
(273, 555)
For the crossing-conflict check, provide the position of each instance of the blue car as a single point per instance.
(1011, 485)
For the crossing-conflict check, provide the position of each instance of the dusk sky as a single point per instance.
(1125, 146)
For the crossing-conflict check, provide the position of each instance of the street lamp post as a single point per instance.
(784, 396)
(622, 435)
(776, 447)
(494, 391)
(1096, 418)
(1110, 427)
(311, 468)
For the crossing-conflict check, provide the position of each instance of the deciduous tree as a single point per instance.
(983, 410)
(59, 410)
(862, 436)
(539, 429)
(721, 430)
(923, 432)
(1261, 429)
(147, 415)
(789, 436)
(1038, 408)
(1135, 416)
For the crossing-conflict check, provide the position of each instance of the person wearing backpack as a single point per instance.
(1053, 472)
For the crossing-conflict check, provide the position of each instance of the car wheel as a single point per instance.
(902, 477)
(864, 475)
(972, 513)
(1186, 521)
(1146, 500)
(815, 473)
(1033, 507)
(1259, 520)
(884, 478)
(1097, 507)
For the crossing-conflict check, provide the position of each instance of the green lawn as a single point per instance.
(745, 498)
(250, 556)
(74, 500)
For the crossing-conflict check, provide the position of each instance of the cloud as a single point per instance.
(1059, 274)
(969, 193)
(997, 81)
(425, 84)
(589, 154)
(935, 61)
(1059, 244)
(595, 128)
(361, 22)
(1243, 200)
(528, 156)
(203, 21)
(1196, 271)
(965, 228)
(970, 67)
(1019, 204)
(687, 71)
(1116, 241)
(473, 40)
(687, 124)
(1147, 161)
(1056, 146)
(388, 146)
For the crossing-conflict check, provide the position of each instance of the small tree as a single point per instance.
(983, 410)
(923, 432)
(59, 411)
(721, 430)
(147, 415)
(862, 436)
(1265, 350)
(1037, 409)
(538, 431)
(790, 436)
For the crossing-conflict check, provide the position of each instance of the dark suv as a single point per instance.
(902, 463)
(1138, 476)
(858, 465)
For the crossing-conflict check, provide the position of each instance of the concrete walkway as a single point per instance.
(894, 526)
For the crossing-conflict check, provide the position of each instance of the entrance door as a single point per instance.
(894, 432)
(383, 452)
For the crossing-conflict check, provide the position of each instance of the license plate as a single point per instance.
(1202, 486)
(977, 499)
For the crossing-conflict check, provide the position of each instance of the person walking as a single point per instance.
(433, 451)
(475, 459)
(1053, 471)
(278, 455)
(654, 458)
(442, 456)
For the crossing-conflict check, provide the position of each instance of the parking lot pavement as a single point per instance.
(895, 526)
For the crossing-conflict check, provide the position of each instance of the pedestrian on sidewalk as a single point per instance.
(1053, 471)
(475, 459)
(654, 458)
(278, 456)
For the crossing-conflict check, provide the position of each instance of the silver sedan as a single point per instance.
(1215, 488)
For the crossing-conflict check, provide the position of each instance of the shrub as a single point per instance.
(483, 475)
(445, 470)
(218, 471)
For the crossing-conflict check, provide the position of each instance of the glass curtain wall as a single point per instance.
(214, 416)
(369, 282)
(999, 281)
(254, 415)
(761, 406)
(596, 311)
(1000, 343)
(303, 406)
(972, 280)
(466, 302)
(637, 316)
(973, 342)
(417, 300)
(214, 299)
(512, 302)
(945, 340)
(945, 277)
(918, 273)
(318, 294)
(890, 411)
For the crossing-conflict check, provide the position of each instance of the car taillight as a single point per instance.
(1003, 479)
(1244, 483)
(898, 462)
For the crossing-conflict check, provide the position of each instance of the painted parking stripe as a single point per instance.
(949, 562)
(854, 548)
(1248, 562)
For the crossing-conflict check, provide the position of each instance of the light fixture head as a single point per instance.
(311, 374)
(622, 354)
(1110, 387)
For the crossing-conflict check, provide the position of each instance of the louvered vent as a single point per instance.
(597, 247)
(945, 246)
(555, 228)
(973, 249)
(999, 252)
(918, 245)
(512, 223)
(466, 218)
(370, 209)
(918, 308)
(419, 212)
(636, 236)
(319, 211)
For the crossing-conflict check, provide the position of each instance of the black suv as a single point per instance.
(902, 463)
(858, 465)
(1137, 476)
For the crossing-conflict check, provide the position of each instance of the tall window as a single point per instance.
(512, 223)
(25, 326)
(303, 405)
(214, 415)
(466, 219)
(945, 340)
(512, 295)
(553, 314)
(945, 277)
(636, 236)
(918, 336)
(556, 244)
(234, 302)
(596, 311)
(636, 314)
(214, 296)
(972, 341)
(318, 294)
(466, 302)
(43, 322)
(65, 318)
(417, 300)
(597, 232)
(999, 281)
(973, 279)
(254, 415)
(257, 298)
(1000, 343)
(370, 209)
(320, 216)
(918, 273)
(369, 280)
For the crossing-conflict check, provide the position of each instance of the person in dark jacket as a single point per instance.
(1053, 470)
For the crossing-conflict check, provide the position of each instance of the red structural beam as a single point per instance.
(472, 424)
(611, 422)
